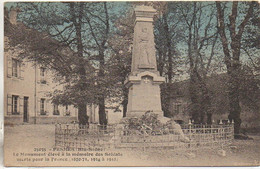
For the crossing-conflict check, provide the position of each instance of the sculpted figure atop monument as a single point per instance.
(145, 56)
(143, 49)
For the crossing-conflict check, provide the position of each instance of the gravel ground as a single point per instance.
(25, 138)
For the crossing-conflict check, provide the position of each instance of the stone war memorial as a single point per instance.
(91, 83)
(144, 80)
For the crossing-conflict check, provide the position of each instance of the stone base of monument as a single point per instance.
(144, 94)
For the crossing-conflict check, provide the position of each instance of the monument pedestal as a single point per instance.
(144, 94)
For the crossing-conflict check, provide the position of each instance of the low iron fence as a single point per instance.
(190, 136)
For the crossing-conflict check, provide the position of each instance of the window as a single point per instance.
(15, 66)
(42, 110)
(15, 104)
(67, 112)
(42, 75)
(56, 109)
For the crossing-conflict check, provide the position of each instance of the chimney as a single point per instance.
(13, 15)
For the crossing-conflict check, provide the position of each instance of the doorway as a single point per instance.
(25, 109)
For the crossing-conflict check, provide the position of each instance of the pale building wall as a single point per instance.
(112, 116)
(28, 84)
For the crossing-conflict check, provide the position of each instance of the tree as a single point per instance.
(201, 38)
(81, 28)
(232, 52)
(167, 35)
(120, 62)
(100, 34)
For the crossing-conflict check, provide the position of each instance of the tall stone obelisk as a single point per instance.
(144, 80)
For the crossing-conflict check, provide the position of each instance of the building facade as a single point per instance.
(28, 87)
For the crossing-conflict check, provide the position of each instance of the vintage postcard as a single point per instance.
(131, 83)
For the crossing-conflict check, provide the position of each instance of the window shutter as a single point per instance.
(21, 67)
(21, 103)
(9, 104)
(45, 76)
(9, 66)
(18, 105)
(38, 106)
(46, 106)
